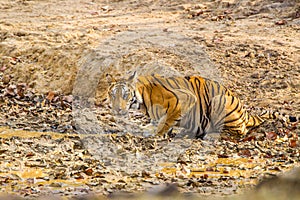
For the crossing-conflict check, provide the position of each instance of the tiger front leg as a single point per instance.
(166, 124)
(161, 127)
(162, 120)
(169, 109)
(176, 109)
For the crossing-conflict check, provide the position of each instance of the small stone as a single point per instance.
(89, 171)
(55, 184)
(250, 55)
(281, 22)
(50, 96)
(68, 98)
(6, 79)
(255, 75)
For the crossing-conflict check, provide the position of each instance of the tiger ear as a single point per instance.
(110, 78)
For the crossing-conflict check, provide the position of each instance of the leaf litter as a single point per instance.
(121, 163)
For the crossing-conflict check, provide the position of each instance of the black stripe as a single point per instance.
(206, 98)
(157, 115)
(227, 114)
(236, 125)
(218, 86)
(175, 81)
(202, 106)
(161, 84)
(168, 106)
(220, 103)
(204, 124)
(198, 83)
(232, 100)
(149, 86)
(168, 83)
(144, 102)
(167, 90)
(151, 102)
(191, 121)
(240, 108)
(187, 84)
(256, 120)
(236, 119)
(212, 90)
(230, 127)
(194, 90)
(233, 110)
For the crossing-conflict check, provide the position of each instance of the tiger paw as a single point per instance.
(149, 130)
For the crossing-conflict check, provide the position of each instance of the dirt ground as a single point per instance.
(53, 51)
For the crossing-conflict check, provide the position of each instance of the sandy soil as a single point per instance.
(62, 46)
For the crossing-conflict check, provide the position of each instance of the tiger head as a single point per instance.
(121, 94)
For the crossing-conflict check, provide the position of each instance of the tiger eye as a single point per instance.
(126, 95)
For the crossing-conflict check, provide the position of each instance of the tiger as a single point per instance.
(197, 104)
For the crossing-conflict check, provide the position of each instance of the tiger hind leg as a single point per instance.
(228, 116)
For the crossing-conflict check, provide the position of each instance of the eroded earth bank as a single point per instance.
(53, 50)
